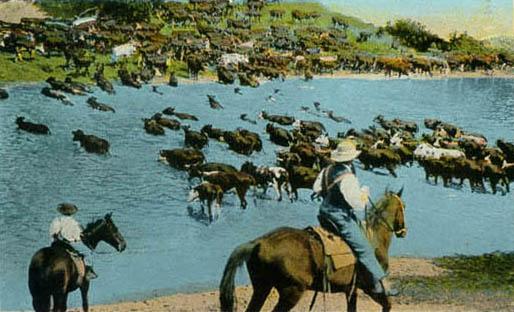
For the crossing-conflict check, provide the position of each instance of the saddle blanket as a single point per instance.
(335, 248)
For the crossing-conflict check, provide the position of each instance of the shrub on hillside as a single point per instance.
(415, 35)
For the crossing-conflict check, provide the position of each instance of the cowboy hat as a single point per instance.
(345, 151)
(67, 209)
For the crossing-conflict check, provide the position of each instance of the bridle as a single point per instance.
(383, 220)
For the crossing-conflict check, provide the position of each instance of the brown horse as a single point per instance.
(52, 271)
(292, 261)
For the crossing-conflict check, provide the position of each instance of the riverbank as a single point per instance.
(163, 80)
(405, 272)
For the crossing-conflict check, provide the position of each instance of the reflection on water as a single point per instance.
(170, 251)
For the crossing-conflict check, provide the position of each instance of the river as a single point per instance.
(169, 250)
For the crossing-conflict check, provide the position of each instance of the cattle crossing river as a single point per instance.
(168, 248)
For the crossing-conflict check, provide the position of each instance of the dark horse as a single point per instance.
(292, 261)
(52, 272)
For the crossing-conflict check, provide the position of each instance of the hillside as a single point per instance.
(279, 39)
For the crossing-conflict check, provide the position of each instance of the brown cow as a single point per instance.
(208, 192)
(380, 157)
(228, 180)
(182, 158)
(301, 177)
(194, 139)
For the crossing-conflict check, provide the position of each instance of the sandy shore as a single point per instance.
(208, 301)
(353, 75)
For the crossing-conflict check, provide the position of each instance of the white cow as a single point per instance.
(425, 150)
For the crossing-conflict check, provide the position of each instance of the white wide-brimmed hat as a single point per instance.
(345, 151)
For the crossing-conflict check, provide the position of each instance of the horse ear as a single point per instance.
(400, 192)
(108, 216)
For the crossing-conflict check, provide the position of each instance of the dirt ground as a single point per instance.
(12, 11)
(208, 301)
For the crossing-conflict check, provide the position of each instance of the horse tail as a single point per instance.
(240, 255)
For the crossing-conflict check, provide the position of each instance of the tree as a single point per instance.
(129, 10)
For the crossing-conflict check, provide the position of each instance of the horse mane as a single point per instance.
(373, 215)
(92, 226)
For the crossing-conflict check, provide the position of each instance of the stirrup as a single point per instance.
(383, 287)
(90, 273)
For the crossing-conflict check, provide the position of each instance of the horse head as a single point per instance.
(105, 230)
(390, 212)
(397, 208)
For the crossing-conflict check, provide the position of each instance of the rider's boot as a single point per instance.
(90, 273)
(383, 286)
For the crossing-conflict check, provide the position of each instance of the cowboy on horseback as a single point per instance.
(66, 232)
(342, 195)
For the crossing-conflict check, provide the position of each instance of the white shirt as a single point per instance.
(355, 196)
(67, 228)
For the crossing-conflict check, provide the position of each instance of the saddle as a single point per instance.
(76, 257)
(335, 248)
(337, 251)
(337, 255)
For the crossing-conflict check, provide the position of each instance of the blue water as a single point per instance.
(169, 250)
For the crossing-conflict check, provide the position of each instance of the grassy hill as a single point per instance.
(353, 36)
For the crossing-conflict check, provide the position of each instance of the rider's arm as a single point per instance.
(356, 197)
(55, 228)
(316, 188)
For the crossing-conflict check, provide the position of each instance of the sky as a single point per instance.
(480, 18)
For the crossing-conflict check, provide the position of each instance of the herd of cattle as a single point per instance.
(220, 36)
(304, 148)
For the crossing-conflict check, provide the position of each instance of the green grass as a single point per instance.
(35, 70)
(488, 276)
(42, 67)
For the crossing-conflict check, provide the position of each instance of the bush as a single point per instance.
(414, 34)
(467, 44)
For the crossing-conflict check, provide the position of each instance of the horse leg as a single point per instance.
(351, 305)
(60, 302)
(288, 298)
(261, 284)
(381, 299)
(83, 293)
(260, 293)
(41, 303)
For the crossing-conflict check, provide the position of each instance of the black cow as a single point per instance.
(91, 143)
(31, 127)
